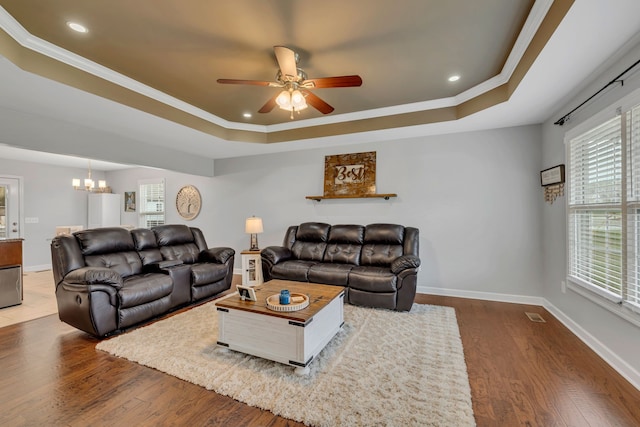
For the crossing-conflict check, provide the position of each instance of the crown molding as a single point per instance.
(28, 41)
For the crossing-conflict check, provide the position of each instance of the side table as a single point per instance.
(251, 268)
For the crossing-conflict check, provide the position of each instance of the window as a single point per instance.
(151, 202)
(603, 228)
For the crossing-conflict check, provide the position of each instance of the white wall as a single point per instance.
(212, 203)
(49, 197)
(474, 196)
(614, 338)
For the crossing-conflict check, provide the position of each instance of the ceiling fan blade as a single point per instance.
(286, 61)
(268, 106)
(341, 81)
(317, 103)
(243, 82)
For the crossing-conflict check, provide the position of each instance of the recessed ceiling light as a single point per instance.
(454, 78)
(77, 27)
(247, 115)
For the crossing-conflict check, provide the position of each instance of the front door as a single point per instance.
(10, 208)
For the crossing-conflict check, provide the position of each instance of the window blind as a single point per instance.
(604, 209)
(594, 228)
(631, 290)
(152, 203)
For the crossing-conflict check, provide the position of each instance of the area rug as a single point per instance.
(383, 368)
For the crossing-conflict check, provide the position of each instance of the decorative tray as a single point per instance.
(298, 302)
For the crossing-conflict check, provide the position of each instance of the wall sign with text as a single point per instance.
(350, 174)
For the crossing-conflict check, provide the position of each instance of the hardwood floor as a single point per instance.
(38, 299)
(521, 373)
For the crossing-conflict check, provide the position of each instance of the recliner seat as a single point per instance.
(377, 263)
(109, 279)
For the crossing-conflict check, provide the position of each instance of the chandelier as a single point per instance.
(90, 184)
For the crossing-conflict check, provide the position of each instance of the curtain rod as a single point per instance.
(561, 121)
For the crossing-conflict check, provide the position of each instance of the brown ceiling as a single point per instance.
(404, 50)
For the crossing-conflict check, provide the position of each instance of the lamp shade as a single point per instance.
(253, 225)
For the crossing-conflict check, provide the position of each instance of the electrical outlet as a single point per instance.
(563, 287)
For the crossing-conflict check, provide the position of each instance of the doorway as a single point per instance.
(10, 207)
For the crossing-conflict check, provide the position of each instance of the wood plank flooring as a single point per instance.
(521, 373)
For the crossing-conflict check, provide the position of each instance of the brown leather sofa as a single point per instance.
(378, 263)
(110, 279)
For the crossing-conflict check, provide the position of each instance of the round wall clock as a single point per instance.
(188, 202)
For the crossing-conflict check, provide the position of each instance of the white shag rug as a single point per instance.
(384, 368)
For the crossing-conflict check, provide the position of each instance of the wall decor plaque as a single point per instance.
(554, 175)
(351, 175)
(188, 202)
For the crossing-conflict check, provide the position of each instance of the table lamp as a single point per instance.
(253, 226)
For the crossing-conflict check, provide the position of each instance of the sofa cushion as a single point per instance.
(313, 232)
(330, 274)
(346, 234)
(104, 240)
(344, 253)
(384, 233)
(174, 234)
(206, 273)
(187, 253)
(372, 279)
(123, 263)
(379, 254)
(143, 239)
(309, 251)
(144, 288)
(292, 270)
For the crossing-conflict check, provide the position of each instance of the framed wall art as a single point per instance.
(188, 202)
(554, 175)
(350, 174)
(129, 201)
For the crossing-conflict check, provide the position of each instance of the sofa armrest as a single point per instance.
(218, 255)
(275, 254)
(404, 262)
(88, 289)
(94, 276)
(94, 279)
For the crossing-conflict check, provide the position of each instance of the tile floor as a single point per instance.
(38, 300)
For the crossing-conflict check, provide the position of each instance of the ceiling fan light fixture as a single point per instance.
(297, 100)
(284, 100)
(295, 87)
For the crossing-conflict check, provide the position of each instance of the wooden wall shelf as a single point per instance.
(364, 196)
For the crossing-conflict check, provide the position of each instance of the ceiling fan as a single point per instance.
(293, 80)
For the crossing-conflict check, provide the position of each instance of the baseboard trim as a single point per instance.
(610, 357)
(488, 296)
(617, 363)
(32, 268)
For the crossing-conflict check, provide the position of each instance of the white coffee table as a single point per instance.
(294, 338)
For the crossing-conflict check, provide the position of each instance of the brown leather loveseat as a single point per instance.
(378, 263)
(109, 279)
